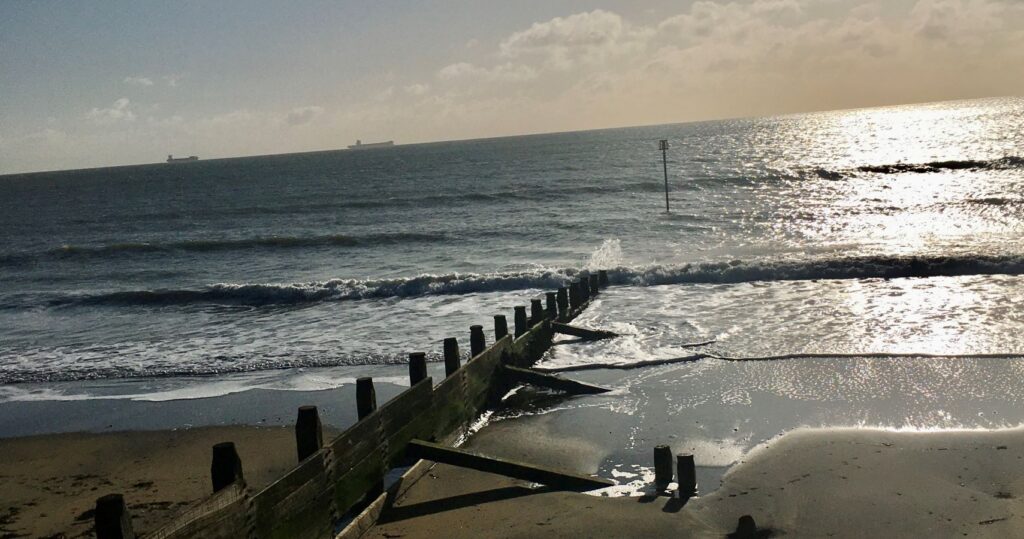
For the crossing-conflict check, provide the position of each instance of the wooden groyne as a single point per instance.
(336, 479)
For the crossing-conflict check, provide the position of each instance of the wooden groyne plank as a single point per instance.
(550, 381)
(218, 516)
(528, 472)
(583, 333)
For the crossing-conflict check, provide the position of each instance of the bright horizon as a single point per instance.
(129, 84)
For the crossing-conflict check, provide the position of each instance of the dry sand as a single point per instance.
(50, 483)
(808, 483)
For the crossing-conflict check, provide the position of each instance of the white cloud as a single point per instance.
(506, 72)
(589, 38)
(417, 89)
(120, 111)
(303, 115)
(138, 81)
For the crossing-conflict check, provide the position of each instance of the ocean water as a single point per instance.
(860, 234)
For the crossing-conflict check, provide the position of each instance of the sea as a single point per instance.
(845, 268)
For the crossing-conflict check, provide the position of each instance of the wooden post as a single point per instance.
(309, 433)
(584, 289)
(602, 278)
(112, 519)
(686, 475)
(662, 466)
(417, 367)
(574, 295)
(520, 320)
(477, 341)
(366, 397)
(536, 312)
(226, 467)
(551, 311)
(500, 327)
(594, 287)
(452, 361)
(366, 404)
(563, 302)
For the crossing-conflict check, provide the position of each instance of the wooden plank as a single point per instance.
(550, 381)
(365, 520)
(583, 333)
(450, 409)
(222, 515)
(299, 504)
(352, 485)
(531, 346)
(510, 468)
(410, 405)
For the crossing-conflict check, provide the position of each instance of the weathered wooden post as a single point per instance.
(584, 289)
(366, 397)
(226, 467)
(112, 519)
(452, 361)
(366, 404)
(686, 475)
(477, 341)
(520, 320)
(602, 278)
(417, 367)
(574, 295)
(551, 310)
(309, 433)
(563, 302)
(662, 467)
(500, 327)
(536, 312)
(594, 286)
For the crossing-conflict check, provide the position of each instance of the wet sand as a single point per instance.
(807, 483)
(51, 482)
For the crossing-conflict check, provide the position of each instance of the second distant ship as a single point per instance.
(370, 145)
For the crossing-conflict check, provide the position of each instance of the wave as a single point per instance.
(333, 290)
(783, 357)
(1003, 163)
(284, 242)
(258, 294)
(887, 267)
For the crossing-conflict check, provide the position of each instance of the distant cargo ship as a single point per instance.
(370, 145)
(172, 159)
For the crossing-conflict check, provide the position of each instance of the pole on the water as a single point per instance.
(663, 146)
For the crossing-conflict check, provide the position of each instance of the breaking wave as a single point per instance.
(938, 166)
(255, 294)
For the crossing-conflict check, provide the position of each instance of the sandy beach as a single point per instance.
(807, 483)
(51, 482)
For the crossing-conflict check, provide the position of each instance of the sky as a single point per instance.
(101, 83)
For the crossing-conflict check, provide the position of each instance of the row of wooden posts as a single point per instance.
(113, 520)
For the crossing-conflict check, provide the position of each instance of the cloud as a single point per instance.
(303, 115)
(417, 89)
(138, 81)
(589, 37)
(507, 72)
(172, 80)
(120, 111)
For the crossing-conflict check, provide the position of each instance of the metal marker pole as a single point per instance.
(663, 146)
